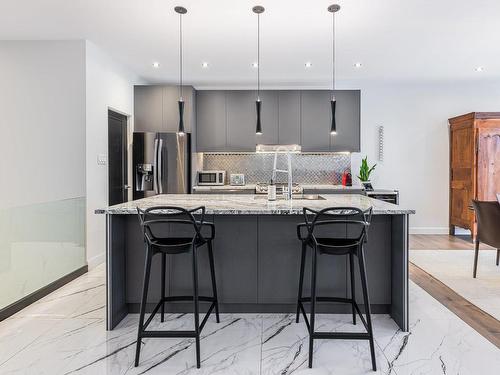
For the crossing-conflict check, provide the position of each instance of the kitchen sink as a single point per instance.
(307, 197)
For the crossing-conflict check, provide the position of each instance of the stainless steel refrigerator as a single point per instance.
(162, 164)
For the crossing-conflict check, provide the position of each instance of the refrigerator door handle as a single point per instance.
(155, 168)
(160, 167)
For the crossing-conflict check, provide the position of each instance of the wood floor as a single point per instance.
(481, 321)
(442, 242)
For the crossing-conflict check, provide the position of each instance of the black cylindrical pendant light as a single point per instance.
(334, 8)
(258, 104)
(180, 10)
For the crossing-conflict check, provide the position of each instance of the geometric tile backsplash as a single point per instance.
(307, 168)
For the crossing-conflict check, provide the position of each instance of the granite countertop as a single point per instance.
(250, 204)
(252, 187)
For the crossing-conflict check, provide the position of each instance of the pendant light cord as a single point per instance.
(258, 57)
(333, 55)
(180, 57)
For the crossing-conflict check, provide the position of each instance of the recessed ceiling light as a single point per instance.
(255, 65)
(358, 65)
(308, 64)
(204, 65)
(156, 65)
(479, 69)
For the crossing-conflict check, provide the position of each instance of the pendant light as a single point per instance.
(334, 8)
(258, 9)
(180, 10)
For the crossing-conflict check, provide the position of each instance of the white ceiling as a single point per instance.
(394, 39)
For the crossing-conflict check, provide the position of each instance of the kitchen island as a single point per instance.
(257, 256)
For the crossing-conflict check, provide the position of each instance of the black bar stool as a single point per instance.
(153, 220)
(357, 222)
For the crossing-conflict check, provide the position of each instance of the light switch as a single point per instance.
(102, 159)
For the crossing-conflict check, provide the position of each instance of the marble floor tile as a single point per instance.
(64, 333)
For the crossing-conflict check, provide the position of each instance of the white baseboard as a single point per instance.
(429, 230)
(96, 260)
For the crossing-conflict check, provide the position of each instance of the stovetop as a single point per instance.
(261, 188)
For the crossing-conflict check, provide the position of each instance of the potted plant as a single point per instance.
(364, 173)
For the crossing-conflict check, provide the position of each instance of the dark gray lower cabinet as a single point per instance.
(257, 260)
(279, 259)
(235, 250)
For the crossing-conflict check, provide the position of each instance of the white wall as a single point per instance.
(42, 121)
(416, 162)
(109, 86)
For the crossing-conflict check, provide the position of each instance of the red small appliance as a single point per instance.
(347, 178)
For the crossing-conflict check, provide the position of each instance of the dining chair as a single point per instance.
(488, 227)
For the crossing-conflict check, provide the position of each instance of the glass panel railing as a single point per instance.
(39, 244)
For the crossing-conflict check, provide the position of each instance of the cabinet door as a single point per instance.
(269, 118)
(348, 121)
(488, 164)
(171, 108)
(236, 260)
(315, 120)
(288, 117)
(241, 120)
(148, 108)
(210, 121)
(461, 184)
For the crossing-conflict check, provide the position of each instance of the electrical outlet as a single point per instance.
(102, 159)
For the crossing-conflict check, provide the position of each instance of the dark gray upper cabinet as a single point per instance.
(210, 121)
(348, 121)
(156, 108)
(241, 120)
(288, 117)
(148, 112)
(315, 120)
(171, 108)
(269, 118)
(226, 120)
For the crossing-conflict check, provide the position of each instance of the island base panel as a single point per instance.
(257, 260)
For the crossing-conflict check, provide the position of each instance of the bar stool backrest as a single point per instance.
(333, 219)
(488, 222)
(171, 222)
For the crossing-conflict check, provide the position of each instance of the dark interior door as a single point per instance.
(117, 158)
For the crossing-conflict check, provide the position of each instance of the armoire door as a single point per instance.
(488, 164)
(462, 174)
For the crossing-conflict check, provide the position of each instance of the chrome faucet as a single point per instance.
(288, 171)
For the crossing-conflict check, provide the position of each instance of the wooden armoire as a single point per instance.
(474, 165)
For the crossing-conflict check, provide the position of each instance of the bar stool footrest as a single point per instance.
(180, 299)
(330, 299)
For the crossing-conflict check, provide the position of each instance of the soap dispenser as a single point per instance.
(271, 191)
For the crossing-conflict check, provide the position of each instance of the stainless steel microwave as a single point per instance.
(211, 178)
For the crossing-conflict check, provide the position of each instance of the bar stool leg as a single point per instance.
(353, 289)
(313, 307)
(301, 280)
(212, 273)
(163, 267)
(196, 312)
(145, 287)
(362, 271)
